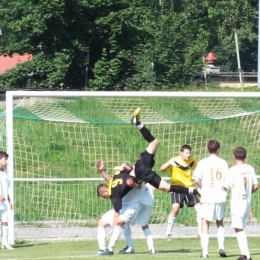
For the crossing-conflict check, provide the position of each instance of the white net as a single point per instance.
(57, 142)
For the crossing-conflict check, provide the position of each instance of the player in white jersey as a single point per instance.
(242, 181)
(209, 176)
(143, 218)
(5, 201)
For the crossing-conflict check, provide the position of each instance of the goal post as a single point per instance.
(55, 138)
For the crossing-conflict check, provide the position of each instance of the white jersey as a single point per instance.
(4, 189)
(241, 179)
(212, 171)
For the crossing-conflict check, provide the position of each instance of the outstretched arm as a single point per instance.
(100, 167)
(167, 165)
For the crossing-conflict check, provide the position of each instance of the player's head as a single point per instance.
(102, 191)
(3, 159)
(240, 153)
(185, 152)
(213, 146)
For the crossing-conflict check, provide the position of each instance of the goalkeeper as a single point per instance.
(181, 168)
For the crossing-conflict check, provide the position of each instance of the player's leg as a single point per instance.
(149, 239)
(219, 216)
(207, 214)
(153, 142)
(204, 239)
(143, 219)
(239, 224)
(4, 217)
(129, 249)
(106, 219)
(161, 184)
(175, 199)
(198, 208)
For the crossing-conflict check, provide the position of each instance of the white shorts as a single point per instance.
(144, 214)
(108, 217)
(4, 215)
(213, 211)
(239, 222)
(129, 213)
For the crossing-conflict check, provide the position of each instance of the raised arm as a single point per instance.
(100, 167)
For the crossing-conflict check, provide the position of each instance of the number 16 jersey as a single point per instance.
(212, 171)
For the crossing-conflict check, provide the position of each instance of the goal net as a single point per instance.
(54, 140)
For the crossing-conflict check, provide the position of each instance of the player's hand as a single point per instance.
(100, 165)
(11, 206)
(2, 198)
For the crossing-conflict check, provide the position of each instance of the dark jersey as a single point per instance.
(118, 189)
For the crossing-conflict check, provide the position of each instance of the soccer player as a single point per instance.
(242, 181)
(209, 175)
(181, 168)
(143, 167)
(143, 217)
(5, 201)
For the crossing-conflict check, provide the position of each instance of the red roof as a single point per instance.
(7, 62)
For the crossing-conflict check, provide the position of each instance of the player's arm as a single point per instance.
(10, 203)
(100, 167)
(255, 188)
(165, 166)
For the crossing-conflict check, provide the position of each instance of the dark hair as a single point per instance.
(3, 155)
(100, 187)
(240, 153)
(184, 147)
(213, 146)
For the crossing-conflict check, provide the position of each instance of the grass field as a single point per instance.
(182, 248)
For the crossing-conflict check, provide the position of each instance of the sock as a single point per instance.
(149, 238)
(242, 243)
(204, 240)
(221, 237)
(101, 238)
(199, 219)
(147, 134)
(115, 236)
(128, 236)
(179, 189)
(4, 234)
(170, 224)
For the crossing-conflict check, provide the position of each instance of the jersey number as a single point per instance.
(117, 182)
(215, 175)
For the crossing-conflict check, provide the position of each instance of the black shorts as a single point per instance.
(144, 172)
(190, 200)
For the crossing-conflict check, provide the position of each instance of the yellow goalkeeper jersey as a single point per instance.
(182, 172)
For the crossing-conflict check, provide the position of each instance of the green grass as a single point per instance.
(184, 248)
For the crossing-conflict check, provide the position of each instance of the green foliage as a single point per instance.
(122, 45)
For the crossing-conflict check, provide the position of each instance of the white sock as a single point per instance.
(128, 236)
(199, 219)
(170, 224)
(4, 234)
(115, 236)
(140, 126)
(221, 237)
(149, 238)
(242, 243)
(204, 240)
(101, 238)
